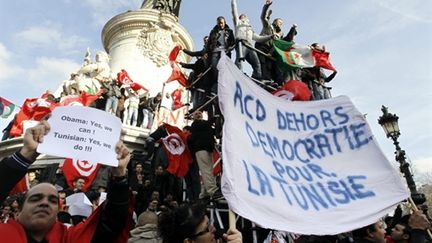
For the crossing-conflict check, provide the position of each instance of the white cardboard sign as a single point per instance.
(82, 133)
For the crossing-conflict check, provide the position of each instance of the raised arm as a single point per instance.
(261, 38)
(265, 14)
(14, 168)
(115, 212)
(234, 11)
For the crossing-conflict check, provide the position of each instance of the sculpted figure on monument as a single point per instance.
(91, 74)
(166, 6)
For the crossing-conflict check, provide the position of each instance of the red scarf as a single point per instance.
(13, 231)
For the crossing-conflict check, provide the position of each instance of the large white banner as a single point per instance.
(304, 167)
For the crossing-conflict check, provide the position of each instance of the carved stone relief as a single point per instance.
(156, 41)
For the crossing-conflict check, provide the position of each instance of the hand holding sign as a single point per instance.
(83, 133)
(32, 137)
(123, 157)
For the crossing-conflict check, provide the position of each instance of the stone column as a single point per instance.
(140, 41)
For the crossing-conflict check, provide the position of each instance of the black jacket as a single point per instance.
(202, 136)
(214, 36)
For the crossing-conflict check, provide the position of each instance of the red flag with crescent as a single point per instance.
(294, 90)
(32, 109)
(123, 78)
(175, 145)
(84, 99)
(74, 168)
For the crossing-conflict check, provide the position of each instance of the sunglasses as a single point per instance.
(206, 230)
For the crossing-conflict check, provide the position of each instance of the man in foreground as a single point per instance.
(37, 218)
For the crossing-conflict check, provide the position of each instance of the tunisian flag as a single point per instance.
(294, 90)
(175, 145)
(124, 79)
(32, 109)
(22, 186)
(176, 74)
(84, 99)
(74, 168)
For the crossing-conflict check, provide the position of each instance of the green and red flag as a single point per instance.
(290, 55)
(6, 107)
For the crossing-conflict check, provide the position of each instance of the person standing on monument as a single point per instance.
(267, 65)
(201, 143)
(245, 36)
(221, 39)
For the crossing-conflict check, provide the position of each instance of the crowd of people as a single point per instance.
(142, 206)
(144, 202)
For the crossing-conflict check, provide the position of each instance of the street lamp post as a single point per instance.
(389, 122)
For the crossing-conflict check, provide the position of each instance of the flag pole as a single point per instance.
(160, 103)
(259, 51)
(203, 105)
(415, 209)
(200, 76)
(231, 219)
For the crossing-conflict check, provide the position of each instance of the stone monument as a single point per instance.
(139, 41)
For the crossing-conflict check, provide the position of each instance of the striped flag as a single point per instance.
(6, 107)
(290, 55)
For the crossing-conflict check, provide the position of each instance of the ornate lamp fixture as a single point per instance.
(389, 123)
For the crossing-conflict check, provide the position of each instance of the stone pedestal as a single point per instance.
(140, 41)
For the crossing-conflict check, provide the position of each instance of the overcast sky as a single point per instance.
(381, 48)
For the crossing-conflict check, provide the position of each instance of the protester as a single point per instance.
(189, 223)
(176, 96)
(267, 65)
(198, 53)
(149, 108)
(245, 35)
(121, 107)
(201, 144)
(199, 81)
(37, 218)
(112, 94)
(78, 186)
(316, 79)
(133, 107)
(142, 102)
(32, 178)
(146, 230)
(371, 233)
(413, 231)
(221, 39)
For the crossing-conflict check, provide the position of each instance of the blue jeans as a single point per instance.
(147, 119)
(111, 103)
(132, 116)
(252, 58)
